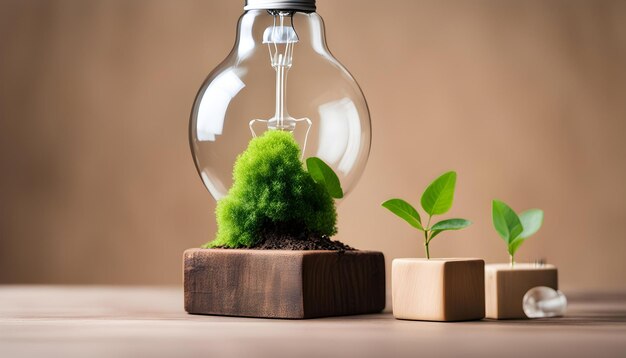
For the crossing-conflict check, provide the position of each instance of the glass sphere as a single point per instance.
(541, 301)
(248, 94)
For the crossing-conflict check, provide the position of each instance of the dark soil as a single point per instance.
(275, 241)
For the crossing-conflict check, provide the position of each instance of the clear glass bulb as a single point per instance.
(280, 52)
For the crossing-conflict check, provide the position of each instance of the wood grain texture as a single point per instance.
(438, 289)
(131, 321)
(282, 283)
(505, 287)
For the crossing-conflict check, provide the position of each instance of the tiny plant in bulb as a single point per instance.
(272, 191)
(515, 229)
(436, 200)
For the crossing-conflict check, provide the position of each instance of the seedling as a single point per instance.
(515, 229)
(273, 191)
(436, 200)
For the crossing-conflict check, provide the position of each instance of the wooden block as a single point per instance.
(505, 287)
(283, 283)
(438, 289)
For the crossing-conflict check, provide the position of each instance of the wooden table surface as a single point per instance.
(97, 321)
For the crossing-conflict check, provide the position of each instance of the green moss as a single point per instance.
(272, 191)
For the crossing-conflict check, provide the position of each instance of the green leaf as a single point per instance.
(324, 175)
(451, 224)
(531, 222)
(405, 211)
(437, 198)
(434, 233)
(513, 246)
(505, 221)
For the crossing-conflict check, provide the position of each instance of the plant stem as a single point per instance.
(512, 260)
(426, 239)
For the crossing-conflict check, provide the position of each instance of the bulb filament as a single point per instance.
(280, 39)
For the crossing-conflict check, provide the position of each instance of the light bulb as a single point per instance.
(250, 92)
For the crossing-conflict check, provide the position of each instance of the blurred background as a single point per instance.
(525, 99)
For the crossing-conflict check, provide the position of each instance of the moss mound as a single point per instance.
(272, 192)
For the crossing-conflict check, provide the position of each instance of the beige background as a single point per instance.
(525, 99)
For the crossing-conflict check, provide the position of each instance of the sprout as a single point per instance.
(514, 229)
(436, 200)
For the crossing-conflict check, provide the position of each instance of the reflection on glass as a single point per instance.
(340, 134)
(214, 104)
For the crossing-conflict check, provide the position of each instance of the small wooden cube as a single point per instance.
(505, 287)
(438, 289)
(283, 283)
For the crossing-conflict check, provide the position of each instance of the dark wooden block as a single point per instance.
(283, 283)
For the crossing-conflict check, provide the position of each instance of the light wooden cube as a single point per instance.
(438, 289)
(505, 287)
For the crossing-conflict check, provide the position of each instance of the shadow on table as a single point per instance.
(588, 319)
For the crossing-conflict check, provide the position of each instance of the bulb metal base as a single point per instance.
(298, 5)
